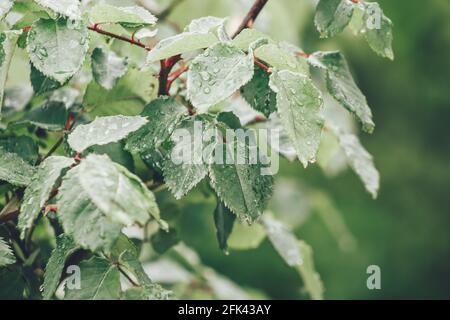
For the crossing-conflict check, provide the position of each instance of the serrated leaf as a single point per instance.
(248, 36)
(68, 8)
(243, 188)
(39, 190)
(104, 130)
(359, 160)
(299, 105)
(281, 59)
(181, 43)
(132, 17)
(100, 280)
(258, 94)
(216, 74)
(163, 115)
(224, 221)
(128, 97)
(182, 175)
(14, 169)
(57, 48)
(379, 37)
(8, 40)
(65, 247)
(107, 67)
(311, 278)
(42, 84)
(343, 88)
(283, 240)
(51, 116)
(6, 254)
(279, 140)
(332, 16)
(23, 146)
(5, 6)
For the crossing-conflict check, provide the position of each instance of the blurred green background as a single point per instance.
(406, 230)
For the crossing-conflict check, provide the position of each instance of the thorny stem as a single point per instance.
(251, 16)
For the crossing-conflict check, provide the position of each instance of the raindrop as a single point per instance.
(207, 90)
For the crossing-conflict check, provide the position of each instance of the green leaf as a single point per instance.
(23, 146)
(281, 59)
(299, 105)
(119, 194)
(258, 94)
(342, 87)
(216, 74)
(180, 175)
(39, 190)
(128, 97)
(162, 241)
(332, 16)
(65, 247)
(181, 43)
(8, 40)
(116, 152)
(14, 169)
(224, 221)
(100, 280)
(163, 115)
(42, 84)
(68, 8)
(104, 130)
(107, 67)
(205, 24)
(57, 48)
(243, 188)
(132, 17)
(311, 278)
(51, 116)
(5, 6)
(245, 237)
(248, 36)
(6, 254)
(283, 240)
(379, 37)
(360, 161)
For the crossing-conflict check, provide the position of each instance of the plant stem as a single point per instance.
(95, 28)
(251, 16)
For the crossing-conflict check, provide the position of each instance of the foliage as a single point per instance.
(88, 156)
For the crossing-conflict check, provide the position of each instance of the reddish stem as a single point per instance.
(95, 28)
(262, 65)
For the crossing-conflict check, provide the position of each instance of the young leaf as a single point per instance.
(107, 67)
(224, 221)
(57, 48)
(163, 115)
(359, 160)
(104, 130)
(310, 277)
(378, 33)
(216, 74)
(8, 40)
(258, 94)
(6, 255)
(65, 247)
(100, 281)
(5, 6)
(342, 87)
(128, 17)
(299, 104)
(242, 187)
(332, 16)
(38, 192)
(14, 169)
(50, 116)
(68, 8)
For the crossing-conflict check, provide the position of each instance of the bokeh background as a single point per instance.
(406, 230)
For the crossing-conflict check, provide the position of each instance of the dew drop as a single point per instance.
(207, 90)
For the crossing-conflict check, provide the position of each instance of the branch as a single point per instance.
(95, 28)
(251, 16)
